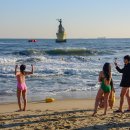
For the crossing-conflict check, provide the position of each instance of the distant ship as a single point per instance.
(101, 38)
(61, 35)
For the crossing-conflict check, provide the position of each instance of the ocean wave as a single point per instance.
(63, 51)
(7, 75)
(73, 89)
(7, 92)
(29, 60)
(73, 51)
(28, 52)
(7, 60)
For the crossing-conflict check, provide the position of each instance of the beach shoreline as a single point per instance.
(32, 104)
(61, 114)
(75, 95)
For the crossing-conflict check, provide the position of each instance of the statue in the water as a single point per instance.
(61, 35)
(60, 20)
(61, 29)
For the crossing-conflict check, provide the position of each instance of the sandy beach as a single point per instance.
(62, 114)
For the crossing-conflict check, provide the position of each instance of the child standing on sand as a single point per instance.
(21, 85)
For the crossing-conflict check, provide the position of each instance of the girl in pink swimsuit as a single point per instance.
(21, 85)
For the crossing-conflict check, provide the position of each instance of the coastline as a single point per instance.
(74, 95)
(61, 114)
(42, 105)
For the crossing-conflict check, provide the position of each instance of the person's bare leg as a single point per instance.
(122, 95)
(19, 99)
(128, 98)
(24, 99)
(110, 100)
(106, 101)
(97, 100)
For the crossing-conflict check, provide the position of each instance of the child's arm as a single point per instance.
(29, 73)
(16, 66)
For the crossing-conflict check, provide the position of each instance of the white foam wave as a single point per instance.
(7, 60)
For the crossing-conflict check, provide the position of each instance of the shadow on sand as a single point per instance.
(37, 118)
(115, 126)
(12, 121)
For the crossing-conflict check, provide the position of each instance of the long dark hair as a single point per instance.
(22, 69)
(107, 70)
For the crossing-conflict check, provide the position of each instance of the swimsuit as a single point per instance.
(105, 88)
(21, 86)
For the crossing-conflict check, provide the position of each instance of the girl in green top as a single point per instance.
(105, 78)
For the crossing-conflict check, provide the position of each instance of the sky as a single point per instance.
(81, 18)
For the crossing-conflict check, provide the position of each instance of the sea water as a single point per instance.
(62, 70)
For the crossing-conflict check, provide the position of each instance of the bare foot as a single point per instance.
(24, 109)
(95, 112)
(19, 110)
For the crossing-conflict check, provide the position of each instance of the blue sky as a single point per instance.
(81, 18)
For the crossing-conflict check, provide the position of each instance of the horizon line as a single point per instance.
(75, 38)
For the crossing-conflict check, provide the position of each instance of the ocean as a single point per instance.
(62, 70)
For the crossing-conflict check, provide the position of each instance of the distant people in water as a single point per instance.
(21, 85)
(125, 83)
(105, 78)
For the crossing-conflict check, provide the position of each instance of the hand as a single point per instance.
(16, 66)
(115, 63)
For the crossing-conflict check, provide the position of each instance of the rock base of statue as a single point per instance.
(61, 41)
(61, 37)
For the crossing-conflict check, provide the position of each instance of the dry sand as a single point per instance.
(63, 115)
